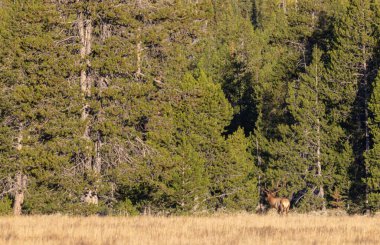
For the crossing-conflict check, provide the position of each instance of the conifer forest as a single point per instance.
(187, 106)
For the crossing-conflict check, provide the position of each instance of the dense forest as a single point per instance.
(187, 106)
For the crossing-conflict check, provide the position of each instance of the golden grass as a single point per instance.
(217, 229)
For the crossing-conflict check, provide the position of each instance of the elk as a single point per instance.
(281, 204)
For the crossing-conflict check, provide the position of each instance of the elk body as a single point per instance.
(281, 204)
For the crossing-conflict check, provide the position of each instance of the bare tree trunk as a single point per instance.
(284, 6)
(85, 34)
(85, 29)
(367, 146)
(259, 179)
(313, 20)
(106, 32)
(19, 137)
(147, 210)
(101, 83)
(97, 166)
(139, 46)
(20, 186)
(182, 187)
(20, 183)
(321, 192)
(366, 126)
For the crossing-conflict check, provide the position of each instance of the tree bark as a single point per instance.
(20, 183)
(284, 6)
(85, 34)
(101, 83)
(92, 163)
(259, 165)
(20, 186)
(321, 192)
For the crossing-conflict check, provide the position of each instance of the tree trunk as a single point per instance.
(321, 192)
(366, 126)
(20, 186)
(139, 48)
(20, 180)
(97, 166)
(259, 165)
(85, 29)
(284, 6)
(101, 83)
(85, 33)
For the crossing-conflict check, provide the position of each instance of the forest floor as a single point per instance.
(215, 229)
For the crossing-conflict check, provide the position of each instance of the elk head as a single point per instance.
(271, 198)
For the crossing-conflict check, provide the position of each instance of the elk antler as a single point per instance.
(278, 184)
(278, 187)
(265, 189)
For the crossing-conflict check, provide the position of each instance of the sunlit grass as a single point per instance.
(216, 229)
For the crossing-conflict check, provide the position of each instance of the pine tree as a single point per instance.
(199, 163)
(372, 158)
(38, 114)
(288, 31)
(317, 142)
(352, 68)
(120, 107)
(240, 183)
(7, 148)
(122, 52)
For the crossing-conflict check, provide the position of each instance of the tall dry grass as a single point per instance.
(219, 229)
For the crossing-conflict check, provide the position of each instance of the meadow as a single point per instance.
(215, 229)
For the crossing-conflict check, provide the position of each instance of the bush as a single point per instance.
(125, 208)
(5, 206)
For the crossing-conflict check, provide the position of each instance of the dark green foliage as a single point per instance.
(321, 161)
(5, 206)
(126, 107)
(372, 157)
(353, 64)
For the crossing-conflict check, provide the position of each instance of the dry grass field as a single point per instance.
(218, 229)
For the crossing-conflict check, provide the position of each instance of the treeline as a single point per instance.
(126, 107)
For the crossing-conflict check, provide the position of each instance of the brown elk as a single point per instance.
(281, 204)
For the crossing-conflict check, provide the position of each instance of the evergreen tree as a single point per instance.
(196, 112)
(372, 156)
(320, 159)
(38, 116)
(288, 31)
(179, 107)
(352, 67)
